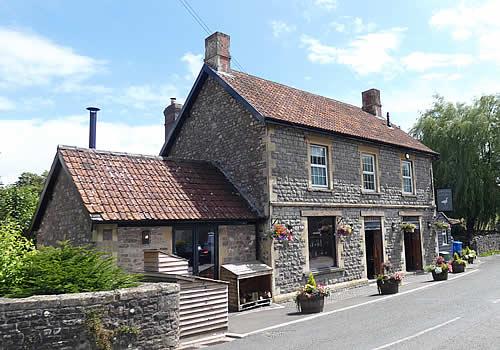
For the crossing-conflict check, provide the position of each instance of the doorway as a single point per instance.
(413, 245)
(198, 244)
(373, 247)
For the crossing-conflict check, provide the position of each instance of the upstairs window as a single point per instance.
(407, 175)
(319, 166)
(368, 169)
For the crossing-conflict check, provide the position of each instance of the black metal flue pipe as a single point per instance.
(92, 127)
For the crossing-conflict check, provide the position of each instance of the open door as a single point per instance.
(413, 246)
(373, 247)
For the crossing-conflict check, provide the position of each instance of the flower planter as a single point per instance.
(443, 276)
(458, 268)
(387, 287)
(310, 305)
(470, 260)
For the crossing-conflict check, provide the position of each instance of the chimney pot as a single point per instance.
(172, 100)
(389, 124)
(217, 54)
(92, 127)
(371, 102)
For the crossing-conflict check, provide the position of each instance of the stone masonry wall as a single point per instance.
(145, 317)
(221, 130)
(486, 243)
(290, 183)
(65, 216)
(236, 243)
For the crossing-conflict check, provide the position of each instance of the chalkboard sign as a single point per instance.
(444, 199)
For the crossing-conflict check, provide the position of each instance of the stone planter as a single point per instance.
(457, 268)
(387, 287)
(310, 305)
(443, 276)
(470, 260)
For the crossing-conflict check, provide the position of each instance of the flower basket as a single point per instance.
(388, 286)
(281, 233)
(406, 227)
(457, 268)
(344, 230)
(443, 276)
(470, 260)
(312, 304)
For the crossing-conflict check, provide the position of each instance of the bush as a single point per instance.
(14, 248)
(69, 269)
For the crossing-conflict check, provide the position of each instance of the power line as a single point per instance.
(204, 26)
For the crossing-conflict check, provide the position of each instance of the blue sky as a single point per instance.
(130, 57)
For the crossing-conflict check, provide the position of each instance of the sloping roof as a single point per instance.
(290, 105)
(126, 187)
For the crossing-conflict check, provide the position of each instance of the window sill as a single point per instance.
(371, 193)
(410, 195)
(320, 189)
(325, 271)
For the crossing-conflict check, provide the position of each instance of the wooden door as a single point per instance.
(378, 254)
(413, 251)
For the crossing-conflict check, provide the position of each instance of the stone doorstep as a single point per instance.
(334, 288)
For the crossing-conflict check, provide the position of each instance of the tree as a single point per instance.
(468, 140)
(18, 202)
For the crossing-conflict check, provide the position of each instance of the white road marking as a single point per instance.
(496, 301)
(417, 334)
(322, 314)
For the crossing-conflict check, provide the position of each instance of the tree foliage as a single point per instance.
(468, 140)
(18, 202)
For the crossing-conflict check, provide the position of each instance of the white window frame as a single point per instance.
(365, 172)
(403, 177)
(446, 238)
(321, 166)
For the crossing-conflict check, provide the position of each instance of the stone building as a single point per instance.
(289, 157)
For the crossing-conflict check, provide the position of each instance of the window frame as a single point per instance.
(333, 241)
(320, 166)
(446, 238)
(411, 177)
(374, 172)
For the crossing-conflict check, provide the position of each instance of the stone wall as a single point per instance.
(221, 130)
(486, 243)
(145, 317)
(236, 243)
(65, 217)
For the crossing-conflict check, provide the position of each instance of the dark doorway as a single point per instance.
(413, 247)
(322, 248)
(198, 244)
(373, 247)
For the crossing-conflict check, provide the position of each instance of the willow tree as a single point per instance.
(468, 140)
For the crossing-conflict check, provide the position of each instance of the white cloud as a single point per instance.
(326, 4)
(422, 61)
(194, 63)
(30, 145)
(359, 26)
(476, 22)
(353, 25)
(441, 76)
(29, 59)
(338, 27)
(6, 104)
(281, 27)
(143, 96)
(368, 53)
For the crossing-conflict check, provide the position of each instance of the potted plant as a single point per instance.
(389, 281)
(439, 269)
(344, 230)
(469, 255)
(281, 233)
(311, 297)
(440, 225)
(457, 264)
(407, 227)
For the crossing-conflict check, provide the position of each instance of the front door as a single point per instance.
(413, 247)
(197, 243)
(373, 247)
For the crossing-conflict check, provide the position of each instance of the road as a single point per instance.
(463, 313)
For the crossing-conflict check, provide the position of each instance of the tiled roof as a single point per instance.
(290, 105)
(125, 187)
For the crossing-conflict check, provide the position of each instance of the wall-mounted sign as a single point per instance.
(444, 199)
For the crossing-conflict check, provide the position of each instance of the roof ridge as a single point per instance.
(300, 90)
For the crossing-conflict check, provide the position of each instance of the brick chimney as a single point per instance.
(171, 114)
(371, 102)
(217, 52)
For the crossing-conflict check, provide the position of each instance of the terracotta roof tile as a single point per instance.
(120, 186)
(287, 104)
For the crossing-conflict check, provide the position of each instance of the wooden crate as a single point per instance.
(250, 285)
